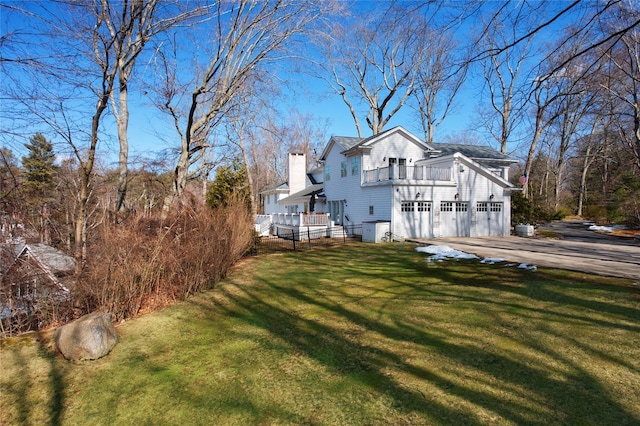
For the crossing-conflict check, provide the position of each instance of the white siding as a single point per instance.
(470, 185)
(379, 197)
(395, 146)
(337, 188)
(475, 186)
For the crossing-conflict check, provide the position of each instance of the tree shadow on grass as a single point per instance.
(337, 349)
(24, 380)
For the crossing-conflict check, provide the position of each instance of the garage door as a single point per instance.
(489, 219)
(415, 219)
(454, 219)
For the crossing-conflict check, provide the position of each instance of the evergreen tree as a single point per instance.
(39, 170)
(231, 181)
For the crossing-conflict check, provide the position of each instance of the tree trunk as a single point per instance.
(245, 157)
(583, 181)
(123, 159)
(180, 178)
(86, 171)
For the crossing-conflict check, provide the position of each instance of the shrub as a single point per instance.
(596, 213)
(146, 263)
(521, 209)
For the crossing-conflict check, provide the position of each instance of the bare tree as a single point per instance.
(570, 114)
(72, 80)
(371, 63)
(243, 36)
(623, 82)
(439, 78)
(131, 24)
(505, 74)
(541, 95)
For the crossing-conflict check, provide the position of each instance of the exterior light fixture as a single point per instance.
(491, 197)
(417, 195)
(457, 195)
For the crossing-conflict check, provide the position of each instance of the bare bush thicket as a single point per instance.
(147, 263)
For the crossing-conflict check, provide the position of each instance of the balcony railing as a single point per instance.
(407, 172)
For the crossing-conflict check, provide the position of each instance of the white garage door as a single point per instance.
(415, 219)
(489, 219)
(454, 219)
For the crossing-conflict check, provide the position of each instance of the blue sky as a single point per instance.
(151, 132)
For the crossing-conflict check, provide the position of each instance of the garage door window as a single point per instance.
(496, 207)
(424, 206)
(462, 207)
(407, 206)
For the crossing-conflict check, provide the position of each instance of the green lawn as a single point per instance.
(354, 335)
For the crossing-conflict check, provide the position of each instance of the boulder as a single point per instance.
(90, 337)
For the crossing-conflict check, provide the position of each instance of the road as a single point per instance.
(578, 249)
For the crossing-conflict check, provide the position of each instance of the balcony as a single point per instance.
(407, 173)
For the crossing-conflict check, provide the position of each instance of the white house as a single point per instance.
(415, 189)
(295, 203)
(294, 194)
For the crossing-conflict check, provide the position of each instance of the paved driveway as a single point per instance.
(607, 256)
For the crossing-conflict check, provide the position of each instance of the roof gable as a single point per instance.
(350, 145)
(479, 153)
(398, 129)
(469, 162)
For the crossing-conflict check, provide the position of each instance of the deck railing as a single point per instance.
(300, 219)
(407, 172)
(315, 219)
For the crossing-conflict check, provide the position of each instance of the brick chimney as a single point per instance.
(297, 178)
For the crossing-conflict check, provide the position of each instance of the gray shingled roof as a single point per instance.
(317, 189)
(471, 151)
(475, 152)
(309, 180)
(347, 142)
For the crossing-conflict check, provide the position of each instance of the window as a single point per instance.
(481, 207)
(327, 173)
(424, 206)
(355, 166)
(407, 206)
(370, 210)
(462, 207)
(495, 207)
(343, 169)
(446, 206)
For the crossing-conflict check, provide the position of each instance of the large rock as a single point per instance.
(90, 337)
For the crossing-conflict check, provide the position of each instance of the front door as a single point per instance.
(336, 210)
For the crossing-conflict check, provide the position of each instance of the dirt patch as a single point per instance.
(625, 233)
